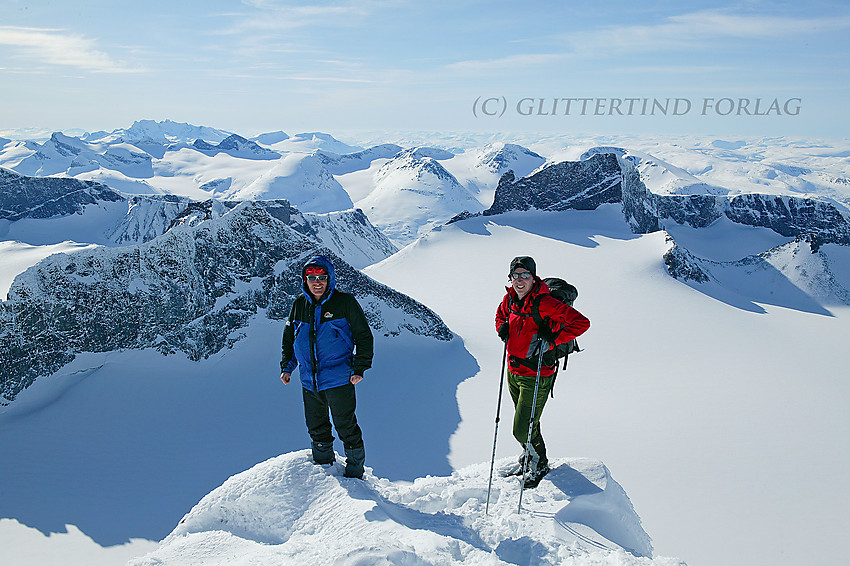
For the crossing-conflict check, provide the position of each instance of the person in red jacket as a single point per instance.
(524, 341)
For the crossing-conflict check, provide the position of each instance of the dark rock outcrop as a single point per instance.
(605, 178)
(45, 197)
(580, 185)
(191, 290)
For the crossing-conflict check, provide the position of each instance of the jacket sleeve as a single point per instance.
(565, 321)
(288, 362)
(361, 334)
(502, 313)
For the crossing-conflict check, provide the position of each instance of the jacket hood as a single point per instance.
(321, 261)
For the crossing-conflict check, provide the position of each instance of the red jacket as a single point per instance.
(564, 320)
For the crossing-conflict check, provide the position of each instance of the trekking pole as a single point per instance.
(496, 433)
(530, 422)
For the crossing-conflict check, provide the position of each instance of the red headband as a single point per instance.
(315, 271)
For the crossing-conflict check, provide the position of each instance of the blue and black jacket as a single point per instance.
(329, 339)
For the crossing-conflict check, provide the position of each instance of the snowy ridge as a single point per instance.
(269, 138)
(191, 290)
(236, 146)
(32, 197)
(191, 161)
(351, 236)
(64, 154)
(351, 162)
(498, 158)
(798, 274)
(49, 211)
(660, 177)
(288, 509)
(146, 219)
(578, 185)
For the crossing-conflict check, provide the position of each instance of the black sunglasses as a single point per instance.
(520, 275)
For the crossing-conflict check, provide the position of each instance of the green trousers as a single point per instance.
(522, 393)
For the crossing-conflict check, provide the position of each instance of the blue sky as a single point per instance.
(738, 68)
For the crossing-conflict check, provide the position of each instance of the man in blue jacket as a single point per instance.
(328, 337)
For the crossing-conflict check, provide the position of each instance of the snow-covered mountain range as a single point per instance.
(194, 276)
(179, 246)
(307, 169)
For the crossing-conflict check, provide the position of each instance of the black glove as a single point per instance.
(504, 331)
(547, 334)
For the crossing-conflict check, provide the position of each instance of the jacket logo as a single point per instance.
(329, 315)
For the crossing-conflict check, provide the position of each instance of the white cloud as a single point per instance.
(59, 47)
(726, 24)
(510, 62)
(283, 15)
(697, 30)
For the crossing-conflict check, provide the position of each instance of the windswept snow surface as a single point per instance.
(288, 510)
(122, 444)
(713, 416)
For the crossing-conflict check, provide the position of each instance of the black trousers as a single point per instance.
(341, 403)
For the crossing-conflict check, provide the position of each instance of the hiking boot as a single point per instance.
(515, 469)
(354, 458)
(323, 453)
(532, 478)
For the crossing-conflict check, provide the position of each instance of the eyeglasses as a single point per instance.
(314, 278)
(520, 275)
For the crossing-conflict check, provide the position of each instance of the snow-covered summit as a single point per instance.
(413, 194)
(287, 509)
(423, 152)
(269, 138)
(164, 132)
(308, 142)
(499, 157)
(302, 180)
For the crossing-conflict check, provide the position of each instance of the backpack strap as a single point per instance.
(542, 323)
(535, 311)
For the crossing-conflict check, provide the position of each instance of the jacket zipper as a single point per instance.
(313, 340)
